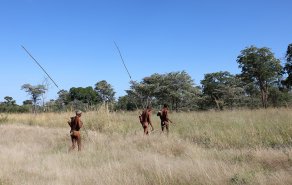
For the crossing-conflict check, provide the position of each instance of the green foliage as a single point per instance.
(35, 92)
(9, 100)
(288, 67)
(125, 103)
(279, 98)
(223, 88)
(14, 108)
(10, 106)
(257, 85)
(175, 88)
(84, 95)
(105, 91)
(259, 67)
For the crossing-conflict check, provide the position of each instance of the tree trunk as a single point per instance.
(264, 95)
(219, 103)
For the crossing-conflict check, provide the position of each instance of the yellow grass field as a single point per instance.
(230, 147)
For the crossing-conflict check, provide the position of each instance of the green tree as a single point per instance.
(278, 98)
(125, 103)
(259, 66)
(9, 100)
(175, 88)
(145, 93)
(223, 88)
(179, 87)
(85, 95)
(27, 102)
(288, 67)
(35, 92)
(63, 99)
(105, 91)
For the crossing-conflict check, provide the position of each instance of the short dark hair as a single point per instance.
(165, 105)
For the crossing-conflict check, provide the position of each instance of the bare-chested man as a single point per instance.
(145, 120)
(75, 125)
(163, 114)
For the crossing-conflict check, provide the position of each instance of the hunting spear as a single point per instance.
(125, 67)
(46, 74)
(40, 66)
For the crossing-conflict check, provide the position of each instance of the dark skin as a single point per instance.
(147, 121)
(75, 132)
(164, 119)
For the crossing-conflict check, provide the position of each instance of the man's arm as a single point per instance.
(78, 122)
(150, 122)
(167, 118)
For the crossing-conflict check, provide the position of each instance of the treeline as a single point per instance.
(263, 82)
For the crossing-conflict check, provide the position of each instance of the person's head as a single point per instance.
(165, 105)
(148, 108)
(78, 113)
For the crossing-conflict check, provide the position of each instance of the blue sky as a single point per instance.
(73, 39)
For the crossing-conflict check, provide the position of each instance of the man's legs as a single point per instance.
(73, 143)
(162, 126)
(145, 127)
(165, 124)
(167, 127)
(79, 142)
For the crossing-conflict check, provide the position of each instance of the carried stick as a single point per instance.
(40, 66)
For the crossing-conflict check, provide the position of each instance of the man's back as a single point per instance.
(76, 123)
(164, 114)
(145, 116)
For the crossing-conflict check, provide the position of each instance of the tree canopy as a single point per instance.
(35, 92)
(262, 82)
(260, 67)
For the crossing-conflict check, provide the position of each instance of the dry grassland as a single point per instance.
(232, 147)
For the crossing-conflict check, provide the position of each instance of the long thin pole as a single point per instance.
(126, 69)
(123, 61)
(40, 66)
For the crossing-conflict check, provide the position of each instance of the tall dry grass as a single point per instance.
(234, 147)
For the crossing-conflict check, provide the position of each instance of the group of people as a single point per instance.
(145, 119)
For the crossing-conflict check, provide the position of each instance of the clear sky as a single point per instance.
(73, 39)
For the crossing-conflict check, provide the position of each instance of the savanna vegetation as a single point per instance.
(263, 82)
(225, 147)
(232, 129)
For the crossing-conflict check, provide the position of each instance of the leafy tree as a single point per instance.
(35, 92)
(223, 88)
(27, 102)
(125, 103)
(105, 91)
(288, 67)
(175, 88)
(85, 95)
(179, 88)
(9, 100)
(260, 67)
(146, 91)
(63, 99)
(278, 98)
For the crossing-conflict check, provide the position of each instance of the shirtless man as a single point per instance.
(75, 125)
(145, 120)
(163, 114)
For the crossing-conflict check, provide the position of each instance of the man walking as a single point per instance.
(145, 120)
(75, 125)
(163, 114)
